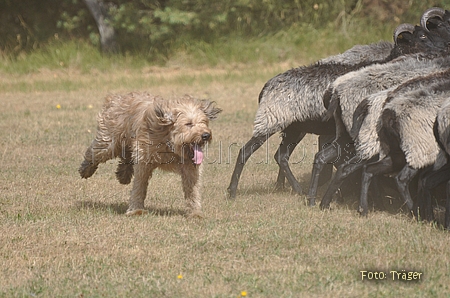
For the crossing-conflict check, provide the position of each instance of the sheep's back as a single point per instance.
(295, 95)
(353, 87)
(362, 54)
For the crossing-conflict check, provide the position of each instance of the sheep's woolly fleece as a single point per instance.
(443, 128)
(367, 143)
(350, 89)
(296, 95)
(415, 113)
(362, 54)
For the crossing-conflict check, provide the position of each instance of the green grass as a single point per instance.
(61, 236)
(299, 43)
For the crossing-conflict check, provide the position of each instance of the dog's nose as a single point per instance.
(206, 136)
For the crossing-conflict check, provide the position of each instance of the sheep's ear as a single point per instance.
(210, 109)
(162, 116)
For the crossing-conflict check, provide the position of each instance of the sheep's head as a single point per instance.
(437, 20)
(410, 39)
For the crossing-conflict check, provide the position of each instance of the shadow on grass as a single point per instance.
(383, 195)
(271, 188)
(121, 208)
(386, 199)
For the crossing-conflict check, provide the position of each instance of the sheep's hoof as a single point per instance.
(279, 186)
(231, 194)
(136, 212)
(311, 202)
(296, 188)
(362, 212)
(325, 207)
(338, 197)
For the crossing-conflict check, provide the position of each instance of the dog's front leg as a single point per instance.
(190, 178)
(142, 174)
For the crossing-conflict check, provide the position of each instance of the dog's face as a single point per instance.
(190, 130)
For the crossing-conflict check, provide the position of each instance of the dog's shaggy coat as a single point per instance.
(147, 132)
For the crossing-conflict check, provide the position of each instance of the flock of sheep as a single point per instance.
(387, 104)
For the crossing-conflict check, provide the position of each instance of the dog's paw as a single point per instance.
(136, 212)
(87, 169)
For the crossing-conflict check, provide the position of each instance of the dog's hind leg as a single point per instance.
(125, 171)
(142, 174)
(103, 148)
(100, 151)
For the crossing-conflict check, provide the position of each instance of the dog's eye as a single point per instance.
(189, 124)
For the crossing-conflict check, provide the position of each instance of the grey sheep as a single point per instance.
(280, 101)
(291, 102)
(365, 118)
(405, 130)
(345, 94)
(364, 130)
(440, 171)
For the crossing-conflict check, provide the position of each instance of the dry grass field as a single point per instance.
(61, 236)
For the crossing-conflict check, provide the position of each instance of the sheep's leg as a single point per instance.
(383, 166)
(343, 171)
(291, 143)
(428, 181)
(287, 146)
(402, 179)
(329, 154)
(290, 138)
(244, 154)
(281, 178)
(327, 171)
(279, 185)
(447, 208)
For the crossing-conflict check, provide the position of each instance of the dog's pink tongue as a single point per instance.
(198, 155)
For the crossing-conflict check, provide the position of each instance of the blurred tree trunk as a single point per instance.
(99, 11)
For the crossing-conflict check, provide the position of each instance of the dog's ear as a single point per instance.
(162, 116)
(210, 109)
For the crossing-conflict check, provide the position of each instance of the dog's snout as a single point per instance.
(206, 136)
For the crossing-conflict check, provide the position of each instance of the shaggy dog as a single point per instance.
(147, 132)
